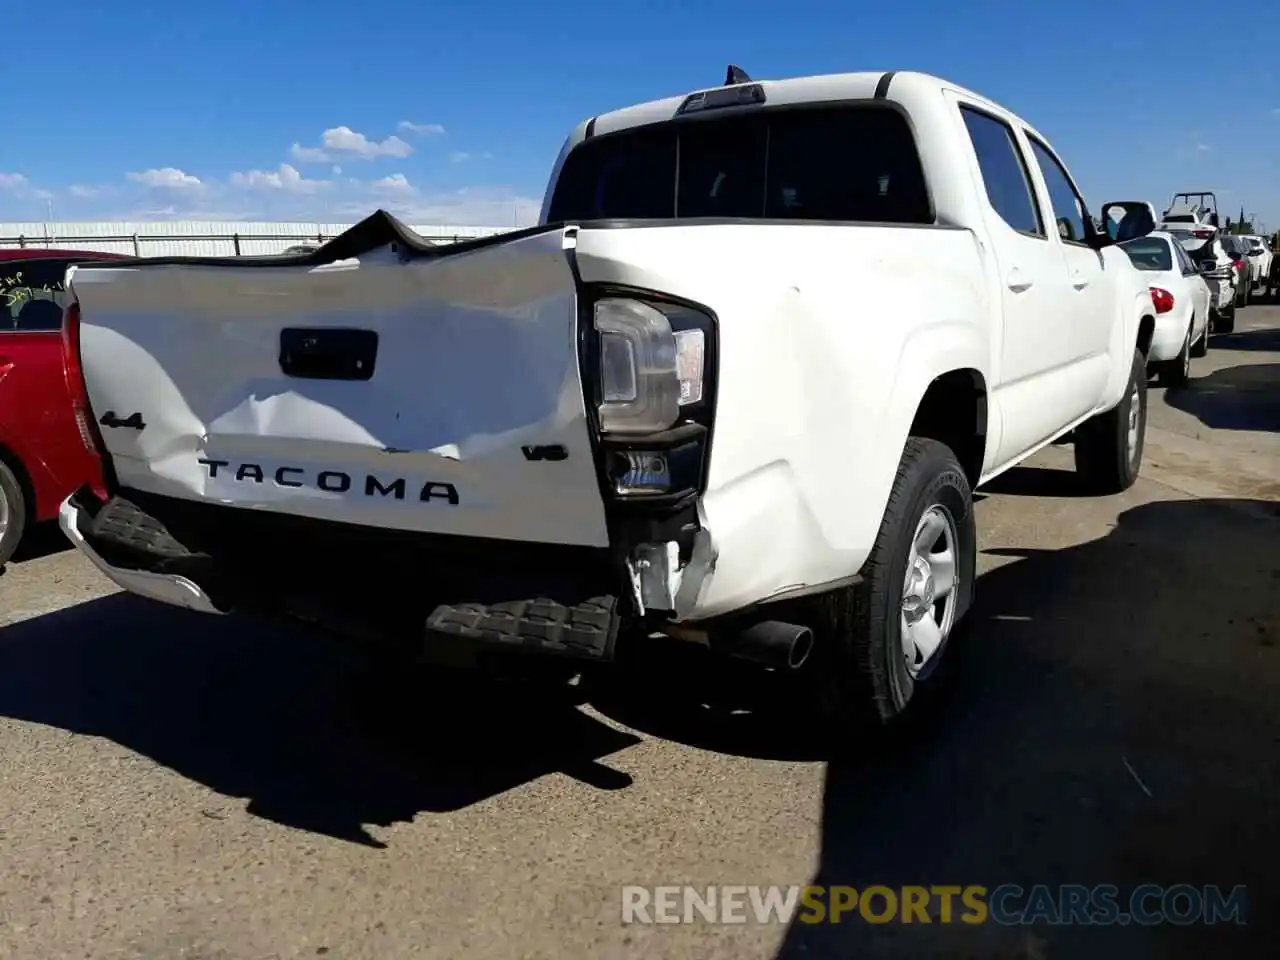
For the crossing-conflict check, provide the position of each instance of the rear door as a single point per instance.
(1032, 280)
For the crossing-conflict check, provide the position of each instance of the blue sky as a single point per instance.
(145, 111)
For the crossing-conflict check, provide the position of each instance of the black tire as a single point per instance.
(1176, 373)
(1201, 347)
(859, 666)
(13, 513)
(1105, 460)
(1226, 322)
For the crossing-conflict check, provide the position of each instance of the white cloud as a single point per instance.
(397, 183)
(459, 156)
(424, 129)
(282, 194)
(286, 178)
(337, 142)
(169, 178)
(20, 187)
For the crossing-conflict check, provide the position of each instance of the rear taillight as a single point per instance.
(74, 375)
(649, 364)
(1162, 299)
(1238, 264)
(1202, 234)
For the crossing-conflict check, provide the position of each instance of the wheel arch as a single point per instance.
(954, 410)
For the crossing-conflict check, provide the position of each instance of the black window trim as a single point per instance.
(1085, 216)
(1022, 163)
(854, 103)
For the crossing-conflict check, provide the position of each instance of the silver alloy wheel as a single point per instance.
(1135, 411)
(4, 513)
(1186, 353)
(929, 592)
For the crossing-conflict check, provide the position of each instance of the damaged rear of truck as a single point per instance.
(680, 403)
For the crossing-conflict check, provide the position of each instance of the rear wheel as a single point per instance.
(1109, 446)
(13, 513)
(881, 643)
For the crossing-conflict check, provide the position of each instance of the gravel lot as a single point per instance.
(175, 786)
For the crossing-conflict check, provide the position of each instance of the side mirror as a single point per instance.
(1208, 266)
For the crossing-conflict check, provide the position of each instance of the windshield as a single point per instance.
(1149, 253)
(31, 294)
(847, 163)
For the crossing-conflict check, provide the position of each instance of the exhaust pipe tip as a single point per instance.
(774, 644)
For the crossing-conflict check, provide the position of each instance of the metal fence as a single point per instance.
(199, 238)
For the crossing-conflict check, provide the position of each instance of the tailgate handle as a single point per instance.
(328, 353)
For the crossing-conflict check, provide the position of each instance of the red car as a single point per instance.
(44, 455)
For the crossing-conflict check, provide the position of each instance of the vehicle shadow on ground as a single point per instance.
(42, 540)
(1234, 398)
(312, 735)
(1156, 648)
(1260, 341)
(1036, 482)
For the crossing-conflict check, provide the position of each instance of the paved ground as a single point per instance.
(183, 787)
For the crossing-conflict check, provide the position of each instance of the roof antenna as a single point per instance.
(734, 76)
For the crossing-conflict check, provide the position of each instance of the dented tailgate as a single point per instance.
(437, 393)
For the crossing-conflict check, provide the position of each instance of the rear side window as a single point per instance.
(1004, 172)
(1149, 253)
(32, 295)
(847, 163)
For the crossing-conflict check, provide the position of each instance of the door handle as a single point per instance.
(1017, 281)
(1079, 280)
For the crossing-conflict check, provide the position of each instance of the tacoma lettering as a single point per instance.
(331, 481)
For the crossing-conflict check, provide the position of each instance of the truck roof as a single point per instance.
(896, 85)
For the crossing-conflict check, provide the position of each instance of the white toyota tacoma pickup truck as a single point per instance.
(737, 386)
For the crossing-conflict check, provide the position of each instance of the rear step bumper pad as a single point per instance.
(587, 630)
(164, 587)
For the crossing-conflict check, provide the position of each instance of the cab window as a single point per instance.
(1068, 209)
